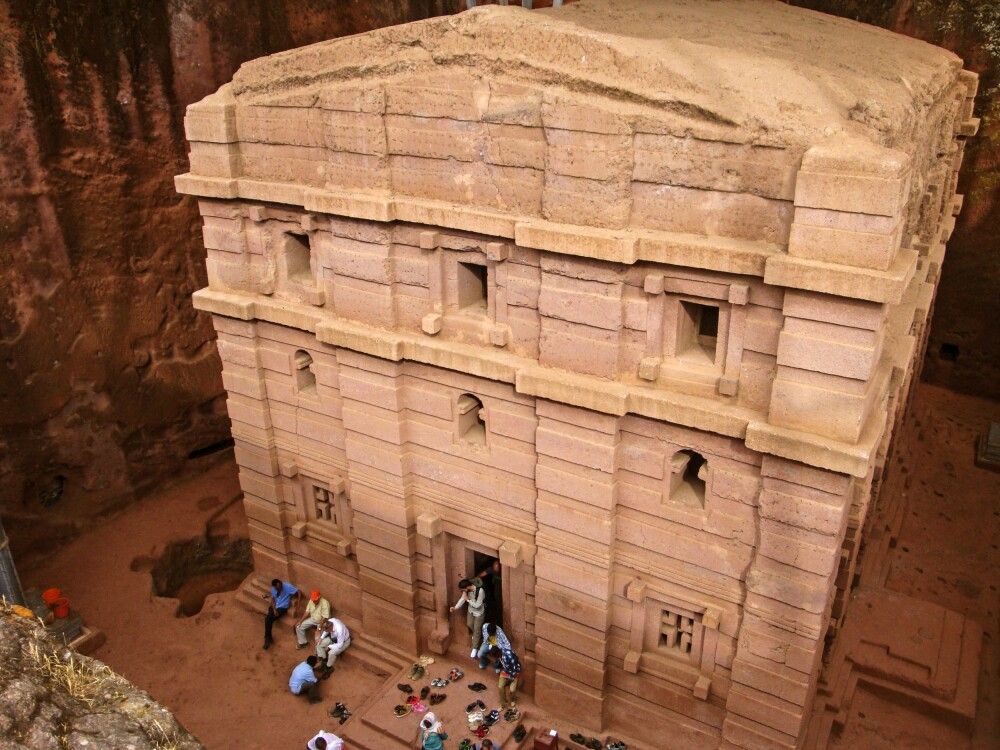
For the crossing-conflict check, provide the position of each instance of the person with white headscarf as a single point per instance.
(432, 734)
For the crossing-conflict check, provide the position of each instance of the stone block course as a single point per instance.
(658, 389)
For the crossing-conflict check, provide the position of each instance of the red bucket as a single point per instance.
(51, 596)
(60, 607)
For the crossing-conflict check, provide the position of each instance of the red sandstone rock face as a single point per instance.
(109, 378)
(107, 375)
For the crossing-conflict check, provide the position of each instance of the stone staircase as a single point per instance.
(376, 657)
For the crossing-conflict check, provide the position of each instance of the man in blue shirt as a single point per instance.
(303, 680)
(283, 596)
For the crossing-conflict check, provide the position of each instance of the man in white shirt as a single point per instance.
(317, 612)
(325, 741)
(334, 639)
(473, 594)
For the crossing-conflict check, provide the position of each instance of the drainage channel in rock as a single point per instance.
(191, 569)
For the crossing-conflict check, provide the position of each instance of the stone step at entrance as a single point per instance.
(374, 726)
(377, 657)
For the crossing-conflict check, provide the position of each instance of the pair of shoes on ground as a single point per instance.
(477, 687)
(327, 671)
(436, 698)
(338, 710)
(408, 689)
(416, 672)
(455, 674)
(592, 743)
(519, 733)
(474, 705)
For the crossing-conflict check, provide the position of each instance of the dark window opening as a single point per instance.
(698, 332)
(688, 471)
(472, 287)
(298, 256)
(305, 378)
(948, 352)
(471, 422)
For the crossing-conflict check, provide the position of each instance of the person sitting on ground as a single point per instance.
(493, 635)
(432, 734)
(317, 612)
(510, 670)
(474, 595)
(284, 596)
(331, 642)
(304, 681)
(325, 741)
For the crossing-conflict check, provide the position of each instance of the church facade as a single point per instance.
(488, 288)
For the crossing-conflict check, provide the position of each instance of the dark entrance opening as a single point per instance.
(488, 568)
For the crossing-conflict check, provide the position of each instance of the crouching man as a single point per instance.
(304, 681)
(334, 638)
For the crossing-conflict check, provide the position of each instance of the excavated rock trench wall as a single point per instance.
(108, 377)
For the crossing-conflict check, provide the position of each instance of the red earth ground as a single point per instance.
(210, 670)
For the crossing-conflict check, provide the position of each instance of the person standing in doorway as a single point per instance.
(473, 595)
(492, 583)
(284, 596)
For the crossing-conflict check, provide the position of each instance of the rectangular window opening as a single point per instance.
(298, 256)
(472, 287)
(698, 332)
(324, 505)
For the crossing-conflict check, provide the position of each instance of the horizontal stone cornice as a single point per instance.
(531, 379)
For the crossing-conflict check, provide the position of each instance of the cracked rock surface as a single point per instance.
(52, 698)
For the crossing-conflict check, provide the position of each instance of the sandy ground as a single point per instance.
(210, 670)
(948, 552)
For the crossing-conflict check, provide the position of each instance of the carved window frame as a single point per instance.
(666, 294)
(443, 280)
(692, 670)
(336, 534)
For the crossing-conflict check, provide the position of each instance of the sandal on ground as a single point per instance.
(344, 717)
(416, 672)
(456, 674)
(465, 744)
(425, 661)
(401, 710)
(491, 718)
(511, 714)
(437, 698)
(477, 687)
(616, 745)
(439, 682)
(519, 733)
(595, 744)
(405, 688)
(578, 738)
(337, 710)
(482, 731)
(419, 708)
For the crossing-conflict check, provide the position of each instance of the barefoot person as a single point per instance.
(304, 681)
(284, 596)
(317, 612)
(333, 640)
(473, 595)
(510, 670)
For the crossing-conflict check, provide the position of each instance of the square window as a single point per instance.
(677, 631)
(324, 505)
(472, 287)
(698, 332)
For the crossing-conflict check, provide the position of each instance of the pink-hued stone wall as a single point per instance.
(649, 356)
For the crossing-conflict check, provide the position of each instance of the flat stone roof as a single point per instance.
(743, 70)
